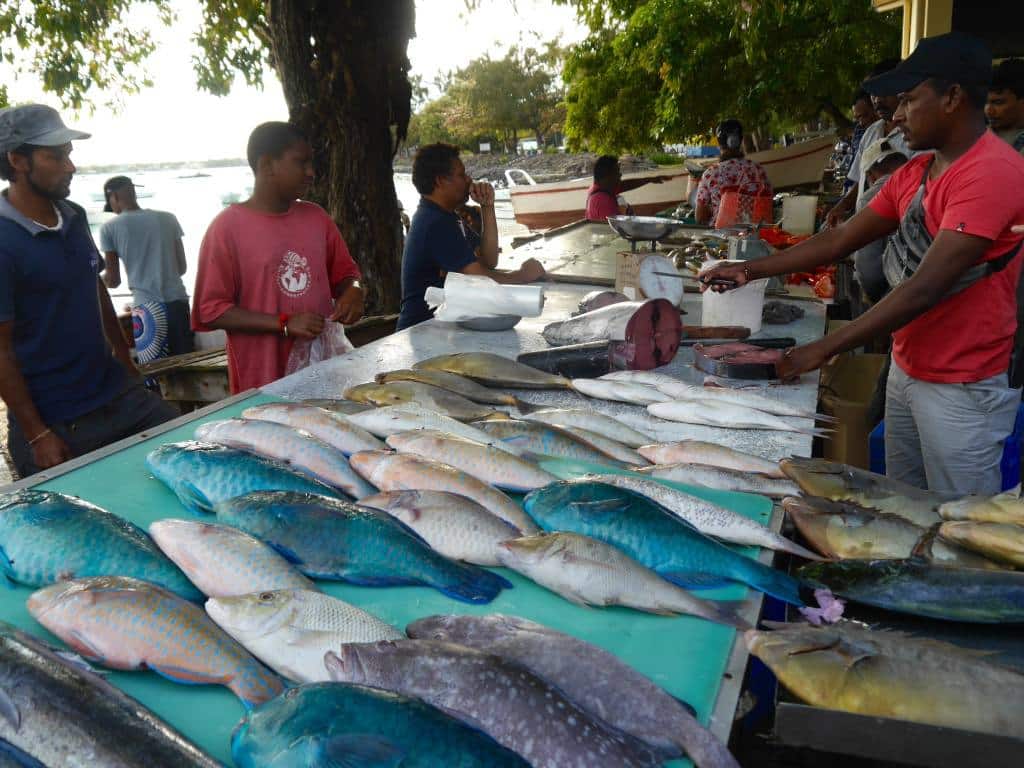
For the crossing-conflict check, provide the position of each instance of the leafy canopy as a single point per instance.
(653, 72)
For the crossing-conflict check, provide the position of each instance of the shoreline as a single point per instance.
(543, 167)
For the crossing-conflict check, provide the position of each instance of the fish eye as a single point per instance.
(266, 597)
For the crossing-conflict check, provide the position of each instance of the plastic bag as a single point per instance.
(466, 296)
(331, 342)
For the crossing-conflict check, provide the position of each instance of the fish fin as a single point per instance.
(360, 750)
(690, 709)
(524, 407)
(9, 710)
(602, 508)
(474, 585)
(923, 548)
(76, 660)
(288, 554)
(80, 644)
(193, 499)
(367, 580)
(185, 676)
(1010, 493)
(695, 579)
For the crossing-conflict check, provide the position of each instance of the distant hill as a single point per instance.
(171, 165)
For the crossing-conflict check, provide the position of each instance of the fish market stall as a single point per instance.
(696, 661)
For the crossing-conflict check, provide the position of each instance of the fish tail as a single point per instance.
(785, 545)
(256, 686)
(470, 584)
(725, 613)
(776, 583)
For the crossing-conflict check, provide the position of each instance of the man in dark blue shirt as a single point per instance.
(437, 242)
(65, 372)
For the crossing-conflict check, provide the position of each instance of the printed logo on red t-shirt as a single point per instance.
(293, 274)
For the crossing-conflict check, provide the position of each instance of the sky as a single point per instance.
(173, 121)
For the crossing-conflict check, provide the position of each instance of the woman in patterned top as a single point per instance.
(734, 170)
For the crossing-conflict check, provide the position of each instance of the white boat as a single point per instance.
(542, 206)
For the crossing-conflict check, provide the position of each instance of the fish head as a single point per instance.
(530, 550)
(177, 540)
(818, 477)
(366, 463)
(175, 463)
(474, 631)
(379, 395)
(257, 614)
(208, 430)
(358, 663)
(63, 605)
(404, 505)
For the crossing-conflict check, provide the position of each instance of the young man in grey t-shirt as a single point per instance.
(149, 244)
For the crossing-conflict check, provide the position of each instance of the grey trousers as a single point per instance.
(132, 410)
(948, 437)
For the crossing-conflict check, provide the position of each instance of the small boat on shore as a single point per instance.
(543, 206)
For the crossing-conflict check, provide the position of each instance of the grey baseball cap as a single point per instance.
(35, 124)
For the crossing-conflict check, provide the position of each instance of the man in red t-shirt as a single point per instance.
(952, 261)
(603, 195)
(274, 270)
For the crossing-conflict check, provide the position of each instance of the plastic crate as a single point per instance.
(1009, 465)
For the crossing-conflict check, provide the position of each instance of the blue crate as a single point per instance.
(1009, 465)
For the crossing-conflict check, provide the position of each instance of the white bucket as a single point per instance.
(740, 306)
(798, 214)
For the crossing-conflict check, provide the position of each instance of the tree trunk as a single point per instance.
(344, 70)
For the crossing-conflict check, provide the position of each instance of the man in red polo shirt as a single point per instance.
(952, 262)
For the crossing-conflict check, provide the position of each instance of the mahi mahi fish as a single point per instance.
(484, 461)
(591, 421)
(724, 415)
(61, 714)
(708, 518)
(131, 624)
(890, 674)
(507, 701)
(586, 571)
(46, 537)
(224, 561)
(332, 724)
(841, 482)
(919, 588)
(405, 472)
(1004, 508)
(454, 525)
(392, 419)
(595, 679)
(426, 395)
(722, 479)
(333, 539)
(709, 454)
(333, 428)
(494, 371)
(296, 448)
(546, 440)
(843, 530)
(1003, 542)
(290, 630)
(460, 385)
(648, 532)
(202, 474)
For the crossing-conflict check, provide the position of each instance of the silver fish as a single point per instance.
(538, 439)
(333, 429)
(591, 421)
(619, 391)
(454, 525)
(725, 415)
(710, 454)
(393, 419)
(592, 677)
(609, 448)
(515, 707)
(723, 479)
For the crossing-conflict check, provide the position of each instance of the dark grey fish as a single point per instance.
(593, 678)
(64, 715)
(505, 700)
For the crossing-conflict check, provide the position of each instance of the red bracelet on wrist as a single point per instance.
(282, 323)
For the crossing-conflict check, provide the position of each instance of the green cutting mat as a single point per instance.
(687, 656)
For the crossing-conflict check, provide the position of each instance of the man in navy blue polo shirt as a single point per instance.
(65, 371)
(437, 242)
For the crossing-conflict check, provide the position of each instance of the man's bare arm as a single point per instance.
(111, 269)
(530, 271)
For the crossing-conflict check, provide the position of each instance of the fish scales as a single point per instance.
(484, 461)
(709, 454)
(544, 440)
(460, 385)
(334, 723)
(224, 561)
(619, 391)
(333, 539)
(494, 370)
(595, 679)
(591, 421)
(426, 395)
(722, 414)
(406, 472)
(203, 474)
(130, 624)
(331, 427)
(290, 630)
(46, 537)
(61, 714)
(507, 701)
(296, 448)
(722, 479)
(648, 532)
(392, 419)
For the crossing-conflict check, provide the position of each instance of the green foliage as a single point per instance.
(653, 72)
(234, 38)
(666, 158)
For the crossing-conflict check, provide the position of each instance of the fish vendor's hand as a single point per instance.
(482, 193)
(49, 451)
(531, 271)
(1019, 229)
(797, 360)
(348, 307)
(305, 325)
(724, 277)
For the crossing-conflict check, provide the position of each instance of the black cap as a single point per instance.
(954, 56)
(113, 184)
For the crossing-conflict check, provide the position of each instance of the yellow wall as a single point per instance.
(921, 18)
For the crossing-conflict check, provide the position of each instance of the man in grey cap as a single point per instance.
(149, 244)
(952, 265)
(65, 372)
